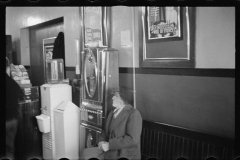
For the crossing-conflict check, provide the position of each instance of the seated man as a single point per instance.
(122, 135)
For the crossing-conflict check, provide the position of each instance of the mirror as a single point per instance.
(90, 74)
(48, 44)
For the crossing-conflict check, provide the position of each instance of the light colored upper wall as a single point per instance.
(215, 33)
(215, 37)
(21, 17)
(124, 35)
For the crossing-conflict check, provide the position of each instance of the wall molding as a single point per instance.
(70, 68)
(228, 73)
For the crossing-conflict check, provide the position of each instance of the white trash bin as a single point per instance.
(43, 123)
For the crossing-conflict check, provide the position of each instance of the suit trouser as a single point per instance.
(11, 130)
(93, 152)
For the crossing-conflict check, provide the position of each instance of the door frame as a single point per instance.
(33, 45)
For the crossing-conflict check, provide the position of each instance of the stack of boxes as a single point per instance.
(30, 94)
(20, 75)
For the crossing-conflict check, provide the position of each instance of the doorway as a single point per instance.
(37, 33)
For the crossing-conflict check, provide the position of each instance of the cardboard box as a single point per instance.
(25, 85)
(25, 73)
(24, 81)
(30, 94)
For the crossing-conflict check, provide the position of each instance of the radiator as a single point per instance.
(169, 143)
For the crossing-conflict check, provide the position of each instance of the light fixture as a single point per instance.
(32, 21)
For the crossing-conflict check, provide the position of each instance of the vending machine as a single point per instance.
(100, 77)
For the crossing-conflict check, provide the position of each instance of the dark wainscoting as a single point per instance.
(70, 69)
(230, 73)
(182, 71)
(166, 142)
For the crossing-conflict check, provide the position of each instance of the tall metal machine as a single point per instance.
(99, 73)
(100, 76)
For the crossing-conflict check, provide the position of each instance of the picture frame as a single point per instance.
(163, 23)
(172, 52)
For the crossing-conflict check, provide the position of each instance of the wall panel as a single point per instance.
(205, 104)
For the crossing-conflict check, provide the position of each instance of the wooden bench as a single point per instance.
(166, 142)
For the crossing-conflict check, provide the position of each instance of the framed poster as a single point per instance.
(163, 23)
(168, 39)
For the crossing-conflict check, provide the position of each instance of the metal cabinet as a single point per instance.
(100, 77)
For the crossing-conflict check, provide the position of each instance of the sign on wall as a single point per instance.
(93, 24)
(163, 23)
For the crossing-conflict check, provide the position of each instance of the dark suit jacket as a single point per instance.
(123, 135)
(13, 93)
(59, 49)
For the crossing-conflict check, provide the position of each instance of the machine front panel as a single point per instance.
(91, 135)
(92, 114)
(91, 138)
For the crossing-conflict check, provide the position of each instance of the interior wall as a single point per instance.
(22, 17)
(124, 35)
(205, 104)
(215, 32)
(200, 103)
(215, 37)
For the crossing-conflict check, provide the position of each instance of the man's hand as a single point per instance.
(100, 145)
(105, 146)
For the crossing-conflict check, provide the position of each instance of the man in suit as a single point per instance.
(122, 135)
(13, 93)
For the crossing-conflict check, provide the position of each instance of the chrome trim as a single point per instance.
(101, 118)
(107, 73)
(144, 37)
(96, 73)
(99, 71)
(102, 23)
(91, 127)
(103, 73)
(105, 25)
(88, 109)
(188, 33)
